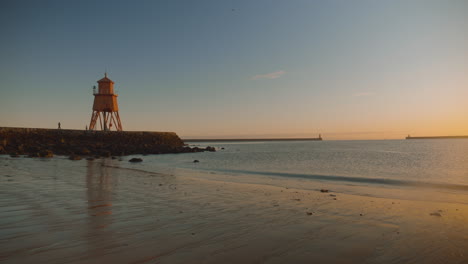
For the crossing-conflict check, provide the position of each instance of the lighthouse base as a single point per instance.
(106, 120)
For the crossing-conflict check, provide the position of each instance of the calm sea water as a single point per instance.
(113, 211)
(423, 163)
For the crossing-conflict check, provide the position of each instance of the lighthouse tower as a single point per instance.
(105, 108)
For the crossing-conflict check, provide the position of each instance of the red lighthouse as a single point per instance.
(105, 107)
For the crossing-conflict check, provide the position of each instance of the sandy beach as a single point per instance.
(61, 211)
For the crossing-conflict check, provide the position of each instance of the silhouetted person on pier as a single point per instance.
(59, 125)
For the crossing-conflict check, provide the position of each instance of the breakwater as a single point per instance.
(37, 142)
(252, 139)
(439, 137)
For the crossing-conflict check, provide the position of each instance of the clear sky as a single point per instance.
(345, 69)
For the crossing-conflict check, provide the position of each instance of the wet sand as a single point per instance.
(61, 211)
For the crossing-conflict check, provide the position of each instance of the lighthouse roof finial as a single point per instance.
(105, 79)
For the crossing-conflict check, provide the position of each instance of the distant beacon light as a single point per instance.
(105, 107)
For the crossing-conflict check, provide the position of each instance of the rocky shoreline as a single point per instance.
(37, 142)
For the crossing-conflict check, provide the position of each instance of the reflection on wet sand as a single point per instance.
(99, 195)
(99, 189)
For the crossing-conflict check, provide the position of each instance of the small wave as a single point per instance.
(137, 170)
(338, 178)
(383, 181)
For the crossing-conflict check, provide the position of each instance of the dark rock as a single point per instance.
(46, 154)
(84, 151)
(135, 160)
(435, 214)
(309, 213)
(324, 190)
(196, 161)
(74, 157)
(105, 153)
(212, 149)
(113, 157)
(222, 148)
(186, 150)
(33, 155)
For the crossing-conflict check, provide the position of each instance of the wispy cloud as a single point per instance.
(362, 94)
(271, 75)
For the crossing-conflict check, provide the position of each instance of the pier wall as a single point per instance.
(439, 137)
(39, 142)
